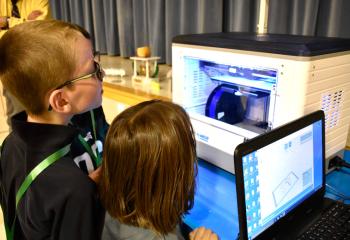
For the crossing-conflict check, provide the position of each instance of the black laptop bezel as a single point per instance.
(263, 140)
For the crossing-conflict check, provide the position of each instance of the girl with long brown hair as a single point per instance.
(148, 173)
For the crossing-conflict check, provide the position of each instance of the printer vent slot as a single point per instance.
(331, 103)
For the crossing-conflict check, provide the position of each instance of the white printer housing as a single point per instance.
(271, 84)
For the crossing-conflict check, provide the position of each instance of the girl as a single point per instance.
(148, 173)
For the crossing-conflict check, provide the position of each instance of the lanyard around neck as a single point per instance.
(29, 180)
(38, 169)
(96, 156)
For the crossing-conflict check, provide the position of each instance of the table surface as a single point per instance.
(216, 204)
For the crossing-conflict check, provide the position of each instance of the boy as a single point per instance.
(49, 66)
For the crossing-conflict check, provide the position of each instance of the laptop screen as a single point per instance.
(284, 169)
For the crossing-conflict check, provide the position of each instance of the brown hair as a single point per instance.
(37, 56)
(149, 166)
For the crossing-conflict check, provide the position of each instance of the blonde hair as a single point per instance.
(149, 166)
(37, 56)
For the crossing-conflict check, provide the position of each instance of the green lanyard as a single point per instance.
(29, 180)
(96, 157)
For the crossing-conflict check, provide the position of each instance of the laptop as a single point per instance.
(280, 180)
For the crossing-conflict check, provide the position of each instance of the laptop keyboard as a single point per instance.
(333, 224)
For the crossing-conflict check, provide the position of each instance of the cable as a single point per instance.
(338, 162)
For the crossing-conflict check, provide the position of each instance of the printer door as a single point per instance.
(241, 106)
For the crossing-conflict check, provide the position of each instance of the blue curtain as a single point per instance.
(328, 18)
(118, 27)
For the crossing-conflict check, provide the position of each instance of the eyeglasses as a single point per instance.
(98, 72)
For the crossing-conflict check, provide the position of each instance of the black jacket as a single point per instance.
(62, 202)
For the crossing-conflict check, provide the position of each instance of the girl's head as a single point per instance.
(149, 166)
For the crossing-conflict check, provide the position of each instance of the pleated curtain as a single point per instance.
(118, 27)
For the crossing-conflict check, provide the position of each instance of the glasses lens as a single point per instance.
(99, 71)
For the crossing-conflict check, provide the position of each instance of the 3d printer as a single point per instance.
(238, 85)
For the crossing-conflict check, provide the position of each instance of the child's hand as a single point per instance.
(34, 14)
(203, 233)
(3, 22)
(95, 175)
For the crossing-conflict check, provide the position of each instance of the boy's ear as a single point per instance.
(59, 102)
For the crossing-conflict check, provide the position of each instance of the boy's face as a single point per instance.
(86, 94)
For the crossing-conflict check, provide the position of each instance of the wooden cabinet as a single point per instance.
(112, 108)
(116, 97)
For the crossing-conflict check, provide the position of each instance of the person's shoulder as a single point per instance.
(113, 229)
(10, 139)
(65, 175)
(11, 146)
(61, 183)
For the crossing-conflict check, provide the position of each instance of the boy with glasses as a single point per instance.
(44, 192)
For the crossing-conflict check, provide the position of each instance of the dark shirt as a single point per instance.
(62, 202)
